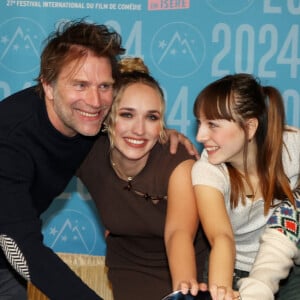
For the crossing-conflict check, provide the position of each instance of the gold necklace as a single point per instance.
(119, 172)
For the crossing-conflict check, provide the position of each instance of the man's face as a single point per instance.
(80, 98)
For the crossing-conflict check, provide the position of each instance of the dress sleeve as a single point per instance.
(20, 232)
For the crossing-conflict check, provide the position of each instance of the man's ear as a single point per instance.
(251, 125)
(48, 90)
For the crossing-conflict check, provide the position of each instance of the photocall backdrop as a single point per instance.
(186, 44)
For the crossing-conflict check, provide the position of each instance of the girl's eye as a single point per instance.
(212, 125)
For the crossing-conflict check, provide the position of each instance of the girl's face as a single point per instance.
(223, 140)
(138, 121)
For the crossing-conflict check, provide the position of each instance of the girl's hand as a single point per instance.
(224, 293)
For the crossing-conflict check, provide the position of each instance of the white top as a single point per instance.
(247, 221)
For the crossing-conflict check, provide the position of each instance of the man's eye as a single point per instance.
(105, 87)
(80, 85)
(153, 117)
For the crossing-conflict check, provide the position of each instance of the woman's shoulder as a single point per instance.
(99, 151)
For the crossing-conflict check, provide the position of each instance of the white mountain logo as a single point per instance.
(70, 231)
(20, 41)
(178, 49)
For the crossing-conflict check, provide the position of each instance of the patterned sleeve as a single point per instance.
(286, 219)
(296, 192)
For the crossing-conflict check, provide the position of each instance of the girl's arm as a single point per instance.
(216, 223)
(181, 226)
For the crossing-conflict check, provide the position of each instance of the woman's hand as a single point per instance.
(224, 293)
(191, 286)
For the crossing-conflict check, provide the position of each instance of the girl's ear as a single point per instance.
(251, 125)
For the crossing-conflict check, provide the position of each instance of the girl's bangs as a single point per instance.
(217, 105)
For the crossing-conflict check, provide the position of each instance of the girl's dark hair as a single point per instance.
(72, 41)
(238, 98)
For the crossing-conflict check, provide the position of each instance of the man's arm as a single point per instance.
(176, 137)
(20, 232)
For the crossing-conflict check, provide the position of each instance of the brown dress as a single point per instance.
(136, 255)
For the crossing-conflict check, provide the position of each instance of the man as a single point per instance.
(45, 133)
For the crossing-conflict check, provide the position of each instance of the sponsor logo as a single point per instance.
(70, 231)
(20, 41)
(178, 49)
(168, 4)
(230, 7)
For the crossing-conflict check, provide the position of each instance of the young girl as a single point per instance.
(250, 159)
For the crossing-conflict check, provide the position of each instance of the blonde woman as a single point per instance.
(134, 180)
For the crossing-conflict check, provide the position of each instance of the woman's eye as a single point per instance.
(153, 117)
(126, 115)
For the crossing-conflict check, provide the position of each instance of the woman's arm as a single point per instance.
(272, 263)
(181, 227)
(216, 223)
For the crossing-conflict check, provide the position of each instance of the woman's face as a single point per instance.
(138, 121)
(223, 140)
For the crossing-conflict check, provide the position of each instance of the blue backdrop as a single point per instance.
(185, 43)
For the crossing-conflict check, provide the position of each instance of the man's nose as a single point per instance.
(94, 97)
